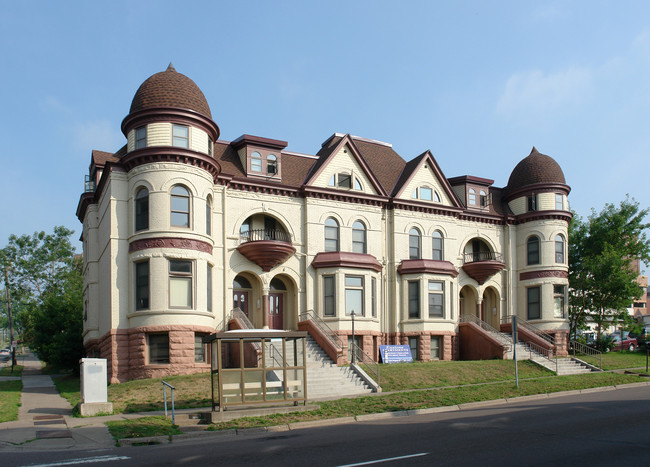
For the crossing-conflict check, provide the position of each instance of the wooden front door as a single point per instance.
(276, 311)
(240, 300)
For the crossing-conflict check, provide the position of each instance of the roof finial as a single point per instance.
(171, 67)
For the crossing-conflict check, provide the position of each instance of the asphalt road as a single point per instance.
(603, 428)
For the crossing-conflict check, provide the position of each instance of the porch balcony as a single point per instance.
(482, 265)
(266, 247)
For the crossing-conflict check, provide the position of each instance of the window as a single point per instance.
(272, 164)
(483, 199)
(332, 181)
(180, 206)
(345, 180)
(532, 248)
(180, 284)
(414, 299)
(357, 184)
(426, 193)
(142, 285)
(200, 348)
(558, 301)
(256, 162)
(435, 347)
(245, 231)
(209, 288)
(532, 203)
(180, 136)
(141, 137)
(158, 346)
(533, 300)
(437, 246)
(472, 196)
(208, 215)
(329, 298)
(142, 209)
(210, 147)
(436, 299)
(559, 202)
(436, 197)
(358, 237)
(413, 345)
(373, 298)
(559, 249)
(354, 295)
(414, 244)
(331, 235)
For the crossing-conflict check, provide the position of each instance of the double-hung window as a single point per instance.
(354, 295)
(532, 250)
(180, 284)
(180, 206)
(331, 234)
(415, 244)
(142, 285)
(558, 301)
(142, 209)
(436, 299)
(329, 296)
(437, 246)
(358, 237)
(180, 136)
(534, 302)
(158, 348)
(141, 137)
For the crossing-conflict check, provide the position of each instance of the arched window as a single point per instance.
(208, 215)
(436, 197)
(331, 235)
(414, 244)
(271, 164)
(472, 197)
(256, 162)
(437, 246)
(142, 209)
(426, 193)
(559, 249)
(359, 237)
(532, 249)
(483, 198)
(357, 184)
(180, 206)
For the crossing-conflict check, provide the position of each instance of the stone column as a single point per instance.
(265, 311)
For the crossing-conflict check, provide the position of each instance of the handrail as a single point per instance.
(245, 323)
(165, 386)
(475, 257)
(532, 328)
(541, 352)
(257, 235)
(366, 360)
(309, 315)
(505, 340)
(578, 347)
(273, 351)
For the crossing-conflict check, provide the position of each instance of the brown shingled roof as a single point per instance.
(170, 89)
(385, 163)
(536, 168)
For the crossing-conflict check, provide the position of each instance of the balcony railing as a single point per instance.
(257, 235)
(479, 256)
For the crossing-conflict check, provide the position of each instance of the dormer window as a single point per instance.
(141, 137)
(272, 164)
(483, 198)
(532, 203)
(472, 197)
(344, 180)
(256, 162)
(180, 136)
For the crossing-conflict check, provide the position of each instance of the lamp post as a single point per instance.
(353, 341)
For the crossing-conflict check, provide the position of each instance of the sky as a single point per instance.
(478, 83)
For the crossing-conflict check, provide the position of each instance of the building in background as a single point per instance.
(181, 228)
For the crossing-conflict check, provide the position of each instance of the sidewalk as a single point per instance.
(44, 418)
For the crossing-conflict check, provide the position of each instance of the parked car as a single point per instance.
(5, 354)
(627, 343)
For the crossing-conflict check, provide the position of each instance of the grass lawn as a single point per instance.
(624, 359)
(142, 427)
(6, 371)
(10, 400)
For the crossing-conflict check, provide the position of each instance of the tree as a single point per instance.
(45, 286)
(601, 279)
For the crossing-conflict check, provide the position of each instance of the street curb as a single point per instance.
(365, 418)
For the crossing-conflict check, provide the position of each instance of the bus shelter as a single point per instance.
(258, 366)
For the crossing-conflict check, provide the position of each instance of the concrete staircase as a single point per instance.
(325, 380)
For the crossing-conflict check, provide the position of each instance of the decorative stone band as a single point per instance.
(524, 276)
(170, 242)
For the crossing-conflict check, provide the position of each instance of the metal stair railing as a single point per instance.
(245, 323)
(309, 315)
(576, 347)
(501, 337)
(531, 328)
(539, 351)
(364, 359)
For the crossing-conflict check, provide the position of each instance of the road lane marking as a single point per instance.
(387, 459)
(83, 460)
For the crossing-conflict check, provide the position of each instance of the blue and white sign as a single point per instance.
(395, 353)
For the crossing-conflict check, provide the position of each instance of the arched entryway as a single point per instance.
(277, 299)
(246, 297)
(490, 309)
(468, 301)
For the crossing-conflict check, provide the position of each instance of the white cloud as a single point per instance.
(550, 12)
(535, 92)
(102, 135)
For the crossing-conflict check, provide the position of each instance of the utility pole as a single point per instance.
(11, 321)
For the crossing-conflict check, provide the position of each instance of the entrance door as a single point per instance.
(240, 300)
(276, 311)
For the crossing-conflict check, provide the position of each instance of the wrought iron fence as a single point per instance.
(477, 256)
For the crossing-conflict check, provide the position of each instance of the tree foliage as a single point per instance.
(45, 285)
(601, 277)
